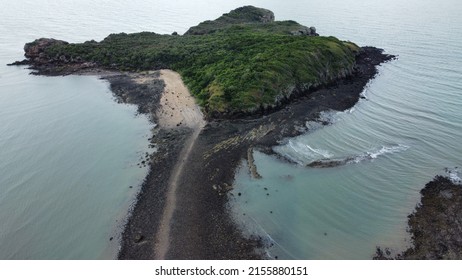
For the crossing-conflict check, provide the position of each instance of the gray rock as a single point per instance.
(305, 31)
(313, 30)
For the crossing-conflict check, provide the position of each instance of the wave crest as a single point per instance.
(326, 163)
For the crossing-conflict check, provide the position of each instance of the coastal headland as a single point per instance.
(239, 83)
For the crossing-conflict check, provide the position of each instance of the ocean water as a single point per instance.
(68, 152)
(406, 131)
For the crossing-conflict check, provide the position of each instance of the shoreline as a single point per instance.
(434, 225)
(202, 227)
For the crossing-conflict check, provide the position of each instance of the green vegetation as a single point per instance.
(241, 16)
(241, 62)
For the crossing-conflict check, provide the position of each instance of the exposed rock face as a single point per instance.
(266, 16)
(242, 15)
(59, 64)
(311, 31)
(248, 14)
(35, 51)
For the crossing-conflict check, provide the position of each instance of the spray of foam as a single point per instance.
(454, 175)
(323, 163)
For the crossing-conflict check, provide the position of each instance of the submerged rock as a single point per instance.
(327, 163)
(252, 167)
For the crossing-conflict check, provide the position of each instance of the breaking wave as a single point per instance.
(371, 155)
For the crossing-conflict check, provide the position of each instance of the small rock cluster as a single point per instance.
(306, 31)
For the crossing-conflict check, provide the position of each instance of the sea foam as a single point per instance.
(454, 175)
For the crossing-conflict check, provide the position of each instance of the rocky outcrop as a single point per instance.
(35, 51)
(266, 16)
(38, 58)
(305, 31)
(242, 15)
(436, 224)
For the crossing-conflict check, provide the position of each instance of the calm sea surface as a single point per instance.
(68, 152)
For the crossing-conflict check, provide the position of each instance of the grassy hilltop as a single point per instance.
(240, 62)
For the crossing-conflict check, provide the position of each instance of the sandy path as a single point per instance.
(178, 108)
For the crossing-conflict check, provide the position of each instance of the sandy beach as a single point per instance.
(177, 106)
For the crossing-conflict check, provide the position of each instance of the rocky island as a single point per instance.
(254, 81)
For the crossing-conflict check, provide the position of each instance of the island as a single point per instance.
(215, 94)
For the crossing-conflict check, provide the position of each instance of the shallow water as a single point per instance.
(404, 133)
(67, 151)
(69, 155)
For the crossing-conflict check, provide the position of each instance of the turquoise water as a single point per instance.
(68, 156)
(406, 131)
(68, 152)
